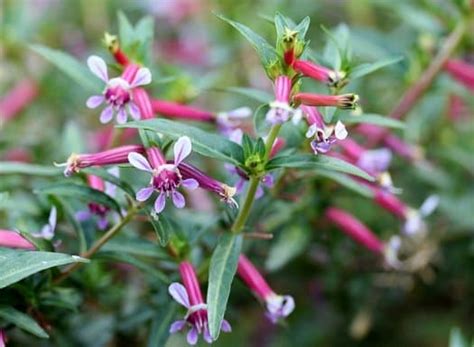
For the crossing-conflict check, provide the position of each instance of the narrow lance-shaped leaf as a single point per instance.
(116, 181)
(252, 93)
(17, 168)
(310, 161)
(371, 118)
(70, 66)
(16, 265)
(265, 51)
(160, 326)
(22, 321)
(365, 69)
(204, 143)
(80, 192)
(221, 273)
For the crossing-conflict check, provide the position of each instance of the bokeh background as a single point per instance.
(342, 299)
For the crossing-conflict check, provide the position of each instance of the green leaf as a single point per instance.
(221, 273)
(135, 246)
(204, 143)
(266, 52)
(146, 268)
(71, 67)
(256, 94)
(290, 244)
(160, 326)
(107, 176)
(372, 118)
(262, 127)
(347, 182)
(17, 168)
(77, 191)
(17, 265)
(311, 161)
(69, 213)
(161, 226)
(22, 321)
(365, 69)
(456, 339)
(126, 30)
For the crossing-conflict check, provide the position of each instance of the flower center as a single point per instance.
(166, 178)
(117, 92)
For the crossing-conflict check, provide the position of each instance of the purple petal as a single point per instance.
(190, 183)
(179, 294)
(259, 193)
(340, 131)
(122, 116)
(288, 305)
(225, 326)
(144, 193)
(134, 111)
(182, 148)
(111, 189)
(139, 161)
(82, 216)
(192, 336)
(160, 203)
(268, 181)
(429, 205)
(207, 335)
(107, 115)
(98, 67)
(52, 218)
(142, 77)
(241, 112)
(102, 223)
(178, 199)
(239, 186)
(311, 131)
(177, 326)
(94, 101)
(47, 233)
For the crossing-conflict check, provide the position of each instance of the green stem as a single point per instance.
(244, 212)
(98, 244)
(271, 140)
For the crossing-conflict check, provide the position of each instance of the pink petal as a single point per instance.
(178, 199)
(160, 203)
(94, 101)
(179, 294)
(122, 116)
(139, 161)
(134, 111)
(98, 67)
(107, 115)
(144, 193)
(142, 77)
(190, 183)
(182, 148)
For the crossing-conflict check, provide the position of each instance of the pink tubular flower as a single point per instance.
(96, 209)
(412, 218)
(114, 156)
(225, 192)
(280, 109)
(117, 93)
(461, 71)
(324, 136)
(3, 338)
(17, 98)
(318, 72)
(176, 110)
(166, 178)
(402, 148)
(13, 239)
(344, 101)
(278, 306)
(191, 298)
(373, 161)
(143, 101)
(355, 229)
